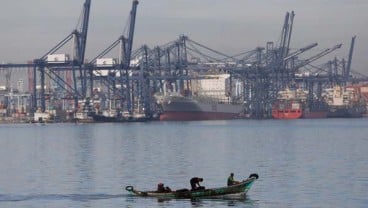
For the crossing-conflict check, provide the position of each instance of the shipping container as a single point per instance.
(105, 62)
(57, 58)
(364, 89)
(100, 73)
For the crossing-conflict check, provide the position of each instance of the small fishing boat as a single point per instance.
(222, 192)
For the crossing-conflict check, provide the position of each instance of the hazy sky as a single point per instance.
(29, 28)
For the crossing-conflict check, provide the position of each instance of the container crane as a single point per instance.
(125, 44)
(40, 64)
(127, 49)
(80, 48)
(80, 40)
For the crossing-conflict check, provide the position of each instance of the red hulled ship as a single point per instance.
(289, 104)
(287, 109)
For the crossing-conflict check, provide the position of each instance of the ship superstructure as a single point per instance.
(344, 102)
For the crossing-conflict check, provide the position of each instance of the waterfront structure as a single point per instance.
(128, 82)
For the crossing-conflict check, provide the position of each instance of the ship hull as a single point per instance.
(344, 113)
(188, 109)
(196, 116)
(315, 114)
(287, 109)
(316, 110)
(115, 119)
(286, 114)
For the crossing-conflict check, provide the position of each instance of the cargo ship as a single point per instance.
(289, 104)
(176, 107)
(287, 109)
(344, 102)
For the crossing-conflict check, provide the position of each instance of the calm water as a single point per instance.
(301, 163)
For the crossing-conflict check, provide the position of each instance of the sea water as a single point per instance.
(301, 163)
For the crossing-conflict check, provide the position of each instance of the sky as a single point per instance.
(29, 28)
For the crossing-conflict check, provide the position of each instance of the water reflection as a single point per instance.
(245, 202)
(224, 202)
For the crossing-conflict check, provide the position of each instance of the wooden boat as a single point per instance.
(237, 189)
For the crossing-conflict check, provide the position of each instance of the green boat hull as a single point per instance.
(222, 192)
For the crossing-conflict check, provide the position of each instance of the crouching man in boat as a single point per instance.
(194, 182)
(231, 181)
(162, 189)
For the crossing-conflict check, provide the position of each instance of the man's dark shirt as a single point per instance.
(194, 182)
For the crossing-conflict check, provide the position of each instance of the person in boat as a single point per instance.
(231, 181)
(162, 189)
(167, 189)
(194, 183)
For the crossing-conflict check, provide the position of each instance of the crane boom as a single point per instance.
(84, 30)
(350, 57)
(317, 56)
(133, 14)
(286, 38)
(302, 50)
(290, 32)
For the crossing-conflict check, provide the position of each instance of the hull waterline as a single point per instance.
(196, 116)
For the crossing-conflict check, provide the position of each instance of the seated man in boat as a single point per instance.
(194, 182)
(162, 189)
(231, 181)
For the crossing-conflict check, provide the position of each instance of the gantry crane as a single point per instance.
(80, 41)
(118, 73)
(79, 38)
